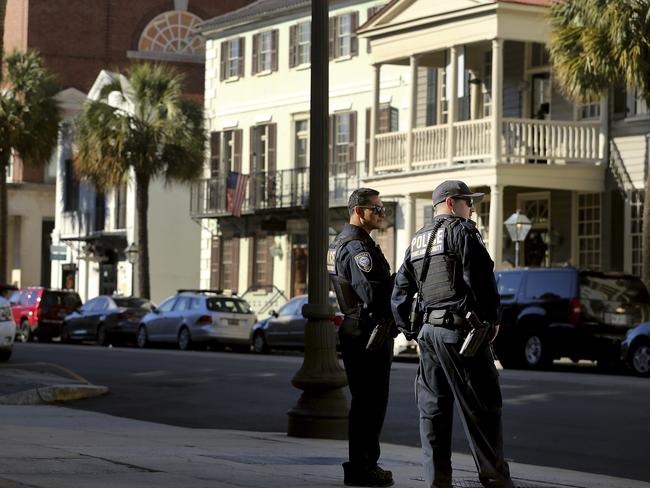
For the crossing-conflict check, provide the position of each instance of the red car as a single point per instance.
(39, 312)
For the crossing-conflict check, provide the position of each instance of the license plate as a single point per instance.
(233, 322)
(617, 319)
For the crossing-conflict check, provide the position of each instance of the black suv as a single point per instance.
(550, 313)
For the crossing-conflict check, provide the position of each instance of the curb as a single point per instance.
(52, 394)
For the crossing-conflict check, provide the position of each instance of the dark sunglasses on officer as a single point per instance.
(376, 209)
(469, 201)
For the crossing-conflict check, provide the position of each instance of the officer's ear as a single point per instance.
(449, 202)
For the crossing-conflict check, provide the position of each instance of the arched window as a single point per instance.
(171, 32)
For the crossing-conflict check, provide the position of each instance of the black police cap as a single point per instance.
(453, 189)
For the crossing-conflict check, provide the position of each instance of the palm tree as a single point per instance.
(142, 124)
(600, 44)
(29, 124)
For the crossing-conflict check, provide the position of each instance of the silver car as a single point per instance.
(196, 318)
(7, 330)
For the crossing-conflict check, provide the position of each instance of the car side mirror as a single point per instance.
(154, 309)
(273, 313)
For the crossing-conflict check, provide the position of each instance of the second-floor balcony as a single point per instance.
(521, 141)
(269, 191)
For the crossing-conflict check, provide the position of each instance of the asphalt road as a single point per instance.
(571, 419)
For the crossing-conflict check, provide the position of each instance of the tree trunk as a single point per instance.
(4, 222)
(645, 258)
(142, 211)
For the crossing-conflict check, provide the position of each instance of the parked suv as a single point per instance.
(39, 312)
(195, 318)
(550, 313)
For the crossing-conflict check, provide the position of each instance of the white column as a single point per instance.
(407, 204)
(603, 136)
(496, 224)
(374, 118)
(452, 79)
(413, 107)
(497, 98)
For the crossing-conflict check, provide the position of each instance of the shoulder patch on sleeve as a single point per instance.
(364, 261)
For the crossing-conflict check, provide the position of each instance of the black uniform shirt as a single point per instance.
(478, 290)
(362, 263)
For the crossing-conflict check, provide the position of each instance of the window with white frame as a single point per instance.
(265, 52)
(487, 84)
(444, 103)
(343, 40)
(304, 43)
(589, 230)
(637, 104)
(342, 137)
(482, 217)
(589, 109)
(232, 59)
(301, 143)
(636, 230)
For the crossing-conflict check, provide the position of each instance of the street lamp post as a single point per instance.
(132, 257)
(321, 410)
(518, 226)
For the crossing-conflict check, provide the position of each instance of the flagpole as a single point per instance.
(321, 410)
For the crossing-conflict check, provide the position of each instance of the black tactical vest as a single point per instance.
(349, 301)
(443, 279)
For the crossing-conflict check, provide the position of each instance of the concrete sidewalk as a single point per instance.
(57, 447)
(44, 446)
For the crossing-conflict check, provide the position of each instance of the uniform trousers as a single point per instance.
(444, 376)
(368, 375)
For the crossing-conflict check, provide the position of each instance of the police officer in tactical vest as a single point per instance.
(451, 274)
(360, 276)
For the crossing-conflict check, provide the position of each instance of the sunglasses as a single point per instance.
(376, 209)
(468, 201)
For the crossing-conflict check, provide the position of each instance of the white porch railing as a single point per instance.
(429, 146)
(472, 140)
(550, 140)
(391, 151)
(522, 141)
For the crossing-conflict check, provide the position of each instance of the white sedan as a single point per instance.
(7, 330)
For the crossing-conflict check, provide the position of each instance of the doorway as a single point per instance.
(537, 246)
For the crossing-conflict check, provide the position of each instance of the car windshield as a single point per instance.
(132, 302)
(622, 289)
(229, 305)
(53, 299)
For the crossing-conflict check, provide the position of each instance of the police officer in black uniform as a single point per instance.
(361, 278)
(459, 279)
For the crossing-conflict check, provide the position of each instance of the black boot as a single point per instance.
(354, 476)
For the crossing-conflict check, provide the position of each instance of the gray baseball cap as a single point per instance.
(454, 189)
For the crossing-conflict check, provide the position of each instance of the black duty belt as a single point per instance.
(444, 318)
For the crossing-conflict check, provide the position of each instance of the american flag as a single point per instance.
(235, 192)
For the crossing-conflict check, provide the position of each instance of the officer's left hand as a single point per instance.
(496, 332)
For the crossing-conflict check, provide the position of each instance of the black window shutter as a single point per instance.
(255, 55)
(332, 36)
(354, 41)
(215, 153)
(274, 50)
(224, 61)
(352, 146)
(240, 64)
(293, 46)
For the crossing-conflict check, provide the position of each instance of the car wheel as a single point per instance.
(5, 354)
(143, 337)
(535, 353)
(25, 332)
(259, 343)
(102, 336)
(640, 358)
(184, 339)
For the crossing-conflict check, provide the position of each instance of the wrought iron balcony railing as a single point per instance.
(273, 190)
